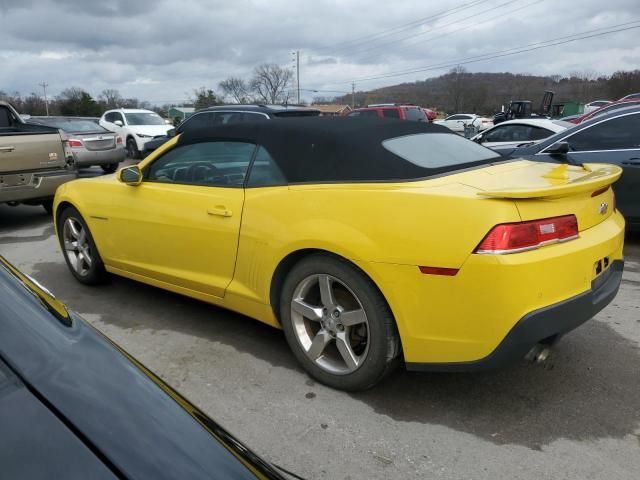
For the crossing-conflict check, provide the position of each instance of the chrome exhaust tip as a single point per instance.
(538, 354)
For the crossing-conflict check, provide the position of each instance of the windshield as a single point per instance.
(144, 118)
(444, 150)
(76, 126)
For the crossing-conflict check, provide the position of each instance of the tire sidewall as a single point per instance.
(132, 148)
(97, 273)
(378, 316)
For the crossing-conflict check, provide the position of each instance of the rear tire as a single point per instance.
(338, 324)
(110, 168)
(79, 249)
(48, 206)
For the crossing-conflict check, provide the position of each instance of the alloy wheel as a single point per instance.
(76, 246)
(330, 324)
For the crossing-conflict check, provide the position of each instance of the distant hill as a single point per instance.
(485, 93)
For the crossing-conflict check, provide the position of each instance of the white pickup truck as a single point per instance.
(34, 161)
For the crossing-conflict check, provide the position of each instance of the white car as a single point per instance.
(458, 121)
(135, 126)
(517, 132)
(596, 104)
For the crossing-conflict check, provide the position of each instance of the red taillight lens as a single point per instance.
(518, 237)
(73, 142)
(119, 140)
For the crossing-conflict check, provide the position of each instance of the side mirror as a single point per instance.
(118, 123)
(131, 175)
(558, 148)
(171, 132)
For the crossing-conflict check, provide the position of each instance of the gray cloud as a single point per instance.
(162, 50)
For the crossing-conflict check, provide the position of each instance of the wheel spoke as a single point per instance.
(326, 290)
(353, 317)
(87, 257)
(72, 229)
(306, 310)
(320, 341)
(70, 246)
(82, 237)
(344, 347)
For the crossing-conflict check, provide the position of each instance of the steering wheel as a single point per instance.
(212, 173)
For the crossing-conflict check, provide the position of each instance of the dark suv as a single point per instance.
(227, 114)
(391, 110)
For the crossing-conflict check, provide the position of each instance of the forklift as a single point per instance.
(523, 109)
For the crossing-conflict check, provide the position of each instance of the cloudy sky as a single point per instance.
(161, 50)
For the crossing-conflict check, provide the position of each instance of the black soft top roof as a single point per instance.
(330, 149)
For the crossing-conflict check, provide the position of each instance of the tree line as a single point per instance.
(269, 84)
(456, 91)
(462, 91)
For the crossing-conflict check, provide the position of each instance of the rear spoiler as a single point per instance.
(598, 176)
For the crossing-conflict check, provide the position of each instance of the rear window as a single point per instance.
(364, 113)
(391, 113)
(75, 126)
(437, 150)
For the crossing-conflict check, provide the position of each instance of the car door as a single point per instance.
(614, 140)
(180, 226)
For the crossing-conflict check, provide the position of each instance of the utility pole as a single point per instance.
(44, 86)
(298, 73)
(353, 94)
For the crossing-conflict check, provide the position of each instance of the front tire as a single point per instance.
(79, 249)
(110, 167)
(132, 149)
(338, 324)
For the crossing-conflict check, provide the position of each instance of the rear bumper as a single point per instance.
(43, 185)
(88, 158)
(543, 324)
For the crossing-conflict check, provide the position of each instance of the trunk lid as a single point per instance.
(96, 141)
(542, 190)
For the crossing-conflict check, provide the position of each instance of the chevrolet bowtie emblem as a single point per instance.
(604, 208)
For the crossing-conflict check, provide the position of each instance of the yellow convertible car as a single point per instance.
(369, 242)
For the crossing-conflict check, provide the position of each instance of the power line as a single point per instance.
(399, 40)
(399, 28)
(464, 27)
(503, 53)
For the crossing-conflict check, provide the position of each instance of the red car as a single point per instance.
(431, 114)
(391, 110)
(623, 102)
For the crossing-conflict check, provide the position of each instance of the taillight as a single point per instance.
(522, 236)
(119, 140)
(74, 142)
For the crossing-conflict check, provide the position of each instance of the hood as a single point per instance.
(152, 130)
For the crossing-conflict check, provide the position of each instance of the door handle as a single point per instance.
(219, 210)
(632, 161)
(7, 149)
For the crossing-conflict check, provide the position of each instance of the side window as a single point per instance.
(615, 134)
(415, 114)
(497, 134)
(109, 117)
(391, 113)
(216, 164)
(118, 116)
(538, 133)
(456, 117)
(199, 120)
(253, 117)
(264, 171)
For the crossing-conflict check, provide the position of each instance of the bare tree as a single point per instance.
(235, 88)
(456, 81)
(111, 98)
(269, 83)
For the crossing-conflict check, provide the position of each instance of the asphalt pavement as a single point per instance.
(575, 417)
